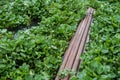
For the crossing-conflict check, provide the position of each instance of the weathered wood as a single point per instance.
(77, 45)
(73, 54)
(84, 39)
(67, 53)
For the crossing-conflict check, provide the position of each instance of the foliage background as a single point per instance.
(34, 35)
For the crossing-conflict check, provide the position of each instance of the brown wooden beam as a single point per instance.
(77, 45)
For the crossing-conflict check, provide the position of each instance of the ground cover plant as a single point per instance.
(102, 56)
(34, 35)
(35, 52)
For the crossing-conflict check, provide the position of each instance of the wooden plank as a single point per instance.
(73, 54)
(67, 54)
(77, 44)
(84, 39)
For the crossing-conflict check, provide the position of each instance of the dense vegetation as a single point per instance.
(35, 52)
(101, 60)
(34, 35)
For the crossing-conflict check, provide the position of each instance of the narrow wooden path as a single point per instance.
(71, 59)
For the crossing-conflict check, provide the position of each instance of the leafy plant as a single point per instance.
(36, 53)
(20, 13)
(100, 60)
(32, 54)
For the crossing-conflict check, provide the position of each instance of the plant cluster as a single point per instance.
(102, 56)
(19, 13)
(36, 53)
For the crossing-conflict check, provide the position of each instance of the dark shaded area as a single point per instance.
(34, 22)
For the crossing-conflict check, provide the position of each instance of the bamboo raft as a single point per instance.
(77, 45)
